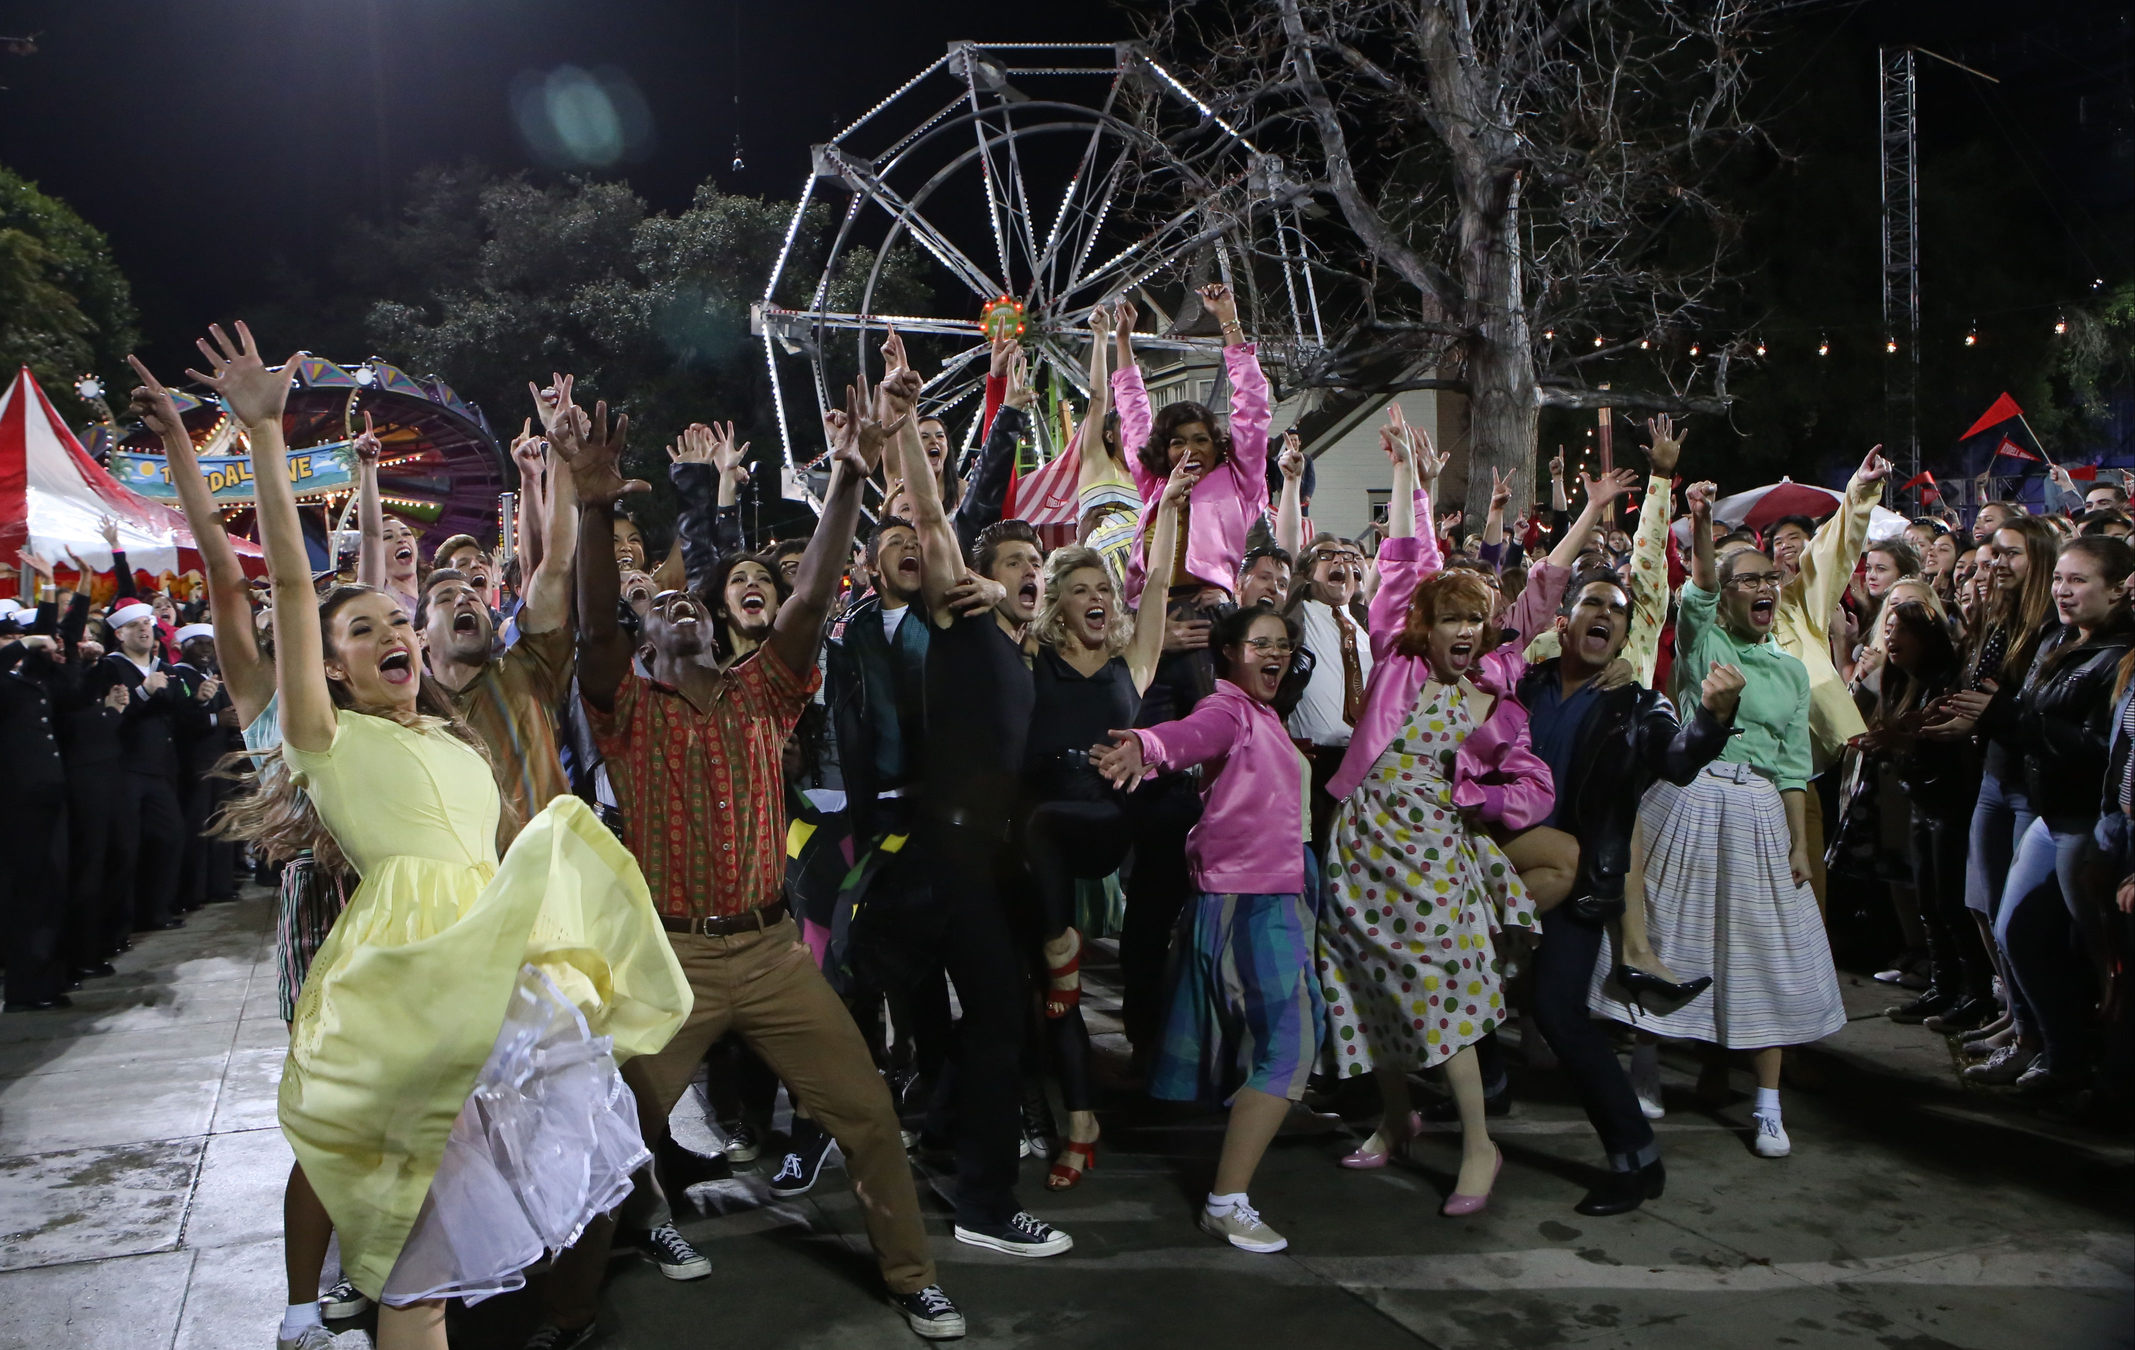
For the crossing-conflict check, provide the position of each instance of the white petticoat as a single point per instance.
(545, 1144)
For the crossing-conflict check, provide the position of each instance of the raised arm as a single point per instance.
(1093, 460)
(1599, 493)
(121, 570)
(941, 561)
(1704, 572)
(548, 586)
(856, 439)
(591, 453)
(370, 516)
(1251, 409)
(1649, 550)
(534, 515)
(986, 495)
(256, 397)
(1827, 563)
(1405, 558)
(1150, 616)
(1290, 507)
(1131, 397)
(247, 674)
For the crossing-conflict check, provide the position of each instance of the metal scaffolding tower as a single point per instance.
(1901, 253)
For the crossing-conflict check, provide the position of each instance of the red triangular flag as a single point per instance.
(1916, 480)
(2014, 451)
(2004, 408)
(2084, 473)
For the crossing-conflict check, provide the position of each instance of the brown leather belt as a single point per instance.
(727, 925)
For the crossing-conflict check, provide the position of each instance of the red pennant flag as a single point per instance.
(2004, 408)
(2014, 451)
(1925, 481)
(2084, 473)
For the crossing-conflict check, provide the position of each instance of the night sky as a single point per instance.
(205, 137)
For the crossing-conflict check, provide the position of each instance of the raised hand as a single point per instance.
(1721, 690)
(1449, 521)
(1611, 485)
(974, 595)
(108, 528)
(693, 446)
(1001, 355)
(897, 395)
(1699, 497)
(1874, 468)
(255, 394)
(893, 357)
(1020, 393)
(1292, 459)
(1500, 491)
(1180, 485)
(730, 459)
(1667, 444)
(1221, 303)
(37, 564)
(530, 452)
(1125, 313)
(594, 460)
(153, 404)
(368, 448)
(1556, 465)
(1100, 322)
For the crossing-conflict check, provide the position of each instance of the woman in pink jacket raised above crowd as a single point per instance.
(1420, 891)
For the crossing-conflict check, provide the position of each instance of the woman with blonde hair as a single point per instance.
(1092, 665)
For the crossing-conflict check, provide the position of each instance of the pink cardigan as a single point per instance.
(1496, 772)
(1250, 839)
(1226, 502)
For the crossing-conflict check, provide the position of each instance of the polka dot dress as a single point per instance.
(1408, 964)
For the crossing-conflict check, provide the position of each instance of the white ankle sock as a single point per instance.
(1224, 1204)
(1768, 1102)
(299, 1316)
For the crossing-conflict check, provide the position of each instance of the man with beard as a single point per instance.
(693, 749)
(977, 695)
(510, 699)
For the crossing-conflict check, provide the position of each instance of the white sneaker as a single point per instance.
(1646, 1082)
(1241, 1226)
(1772, 1141)
(319, 1338)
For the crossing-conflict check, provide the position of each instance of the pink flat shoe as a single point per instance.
(1376, 1151)
(1458, 1205)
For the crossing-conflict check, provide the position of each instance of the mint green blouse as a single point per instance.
(1772, 725)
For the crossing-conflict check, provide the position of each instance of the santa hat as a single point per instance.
(193, 630)
(127, 613)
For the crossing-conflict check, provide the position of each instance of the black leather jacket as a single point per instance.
(2064, 719)
(1630, 738)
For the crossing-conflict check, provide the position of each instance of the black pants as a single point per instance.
(1065, 842)
(149, 835)
(1940, 844)
(102, 913)
(940, 908)
(1562, 966)
(1160, 813)
(33, 898)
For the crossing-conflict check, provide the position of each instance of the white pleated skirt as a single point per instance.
(1721, 901)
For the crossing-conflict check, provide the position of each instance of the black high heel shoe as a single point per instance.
(1656, 995)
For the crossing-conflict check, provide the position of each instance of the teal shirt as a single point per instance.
(1772, 725)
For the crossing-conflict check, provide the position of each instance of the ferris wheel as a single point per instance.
(1028, 182)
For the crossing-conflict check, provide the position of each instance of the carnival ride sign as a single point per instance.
(317, 469)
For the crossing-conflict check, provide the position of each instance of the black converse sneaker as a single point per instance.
(803, 1163)
(343, 1301)
(930, 1313)
(1022, 1235)
(671, 1252)
(549, 1336)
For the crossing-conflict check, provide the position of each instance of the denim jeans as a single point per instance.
(2036, 926)
(1998, 821)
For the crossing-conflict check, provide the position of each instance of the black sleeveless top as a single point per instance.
(1073, 712)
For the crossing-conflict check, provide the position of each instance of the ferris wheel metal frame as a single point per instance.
(1162, 186)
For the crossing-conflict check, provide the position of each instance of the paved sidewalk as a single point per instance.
(141, 1178)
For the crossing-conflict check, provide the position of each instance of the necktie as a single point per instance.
(1352, 670)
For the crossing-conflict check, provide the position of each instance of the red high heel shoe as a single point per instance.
(1063, 1177)
(1060, 1002)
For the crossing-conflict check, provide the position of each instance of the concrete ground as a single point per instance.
(141, 1176)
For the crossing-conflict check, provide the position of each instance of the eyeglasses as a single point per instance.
(1756, 581)
(1270, 646)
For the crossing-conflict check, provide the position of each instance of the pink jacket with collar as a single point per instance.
(1251, 836)
(1496, 772)
(1226, 502)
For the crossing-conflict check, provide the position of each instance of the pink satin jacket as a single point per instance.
(1226, 502)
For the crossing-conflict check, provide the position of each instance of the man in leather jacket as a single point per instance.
(1604, 749)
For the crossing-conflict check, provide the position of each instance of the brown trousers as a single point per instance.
(765, 988)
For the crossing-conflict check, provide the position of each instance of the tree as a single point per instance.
(1512, 192)
(65, 309)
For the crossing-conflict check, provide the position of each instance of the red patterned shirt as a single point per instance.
(702, 794)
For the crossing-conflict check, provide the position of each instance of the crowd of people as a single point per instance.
(557, 831)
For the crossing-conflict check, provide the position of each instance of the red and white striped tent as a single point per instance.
(54, 497)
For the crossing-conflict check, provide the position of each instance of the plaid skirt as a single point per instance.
(311, 899)
(1721, 901)
(1245, 1006)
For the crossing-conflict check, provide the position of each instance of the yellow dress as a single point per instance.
(406, 999)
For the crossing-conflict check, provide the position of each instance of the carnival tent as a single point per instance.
(54, 498)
